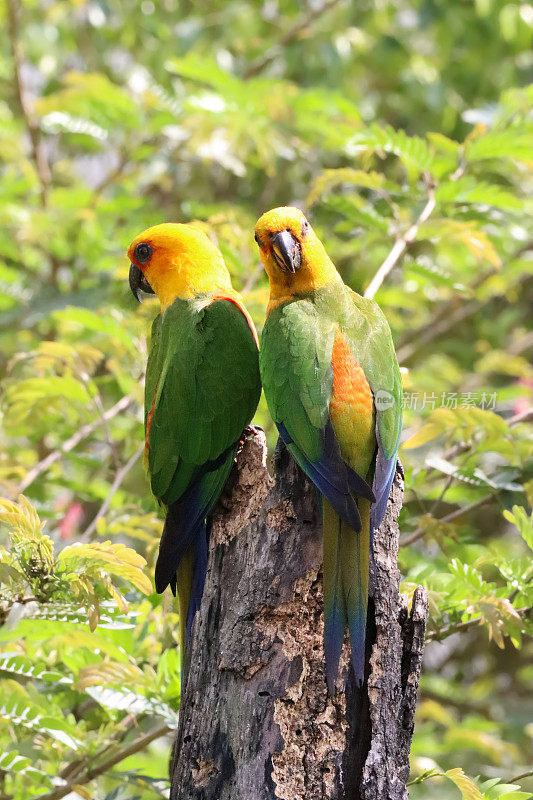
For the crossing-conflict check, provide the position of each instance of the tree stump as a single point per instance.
(256, 722)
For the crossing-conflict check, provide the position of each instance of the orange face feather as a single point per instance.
(316, 268)
(183, 262)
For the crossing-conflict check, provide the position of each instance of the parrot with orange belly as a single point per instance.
(333, 387)
(202, 390)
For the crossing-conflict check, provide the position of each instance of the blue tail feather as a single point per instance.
(384, 471)
(198, 578)
(185, 518)
(331, 475)
(355, 561)
(346, 565)
(334, 606)
(356, 606)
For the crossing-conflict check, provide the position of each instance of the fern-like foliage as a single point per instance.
(83, 571)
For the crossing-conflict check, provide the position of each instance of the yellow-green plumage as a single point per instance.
(202, 389)
(324, 356)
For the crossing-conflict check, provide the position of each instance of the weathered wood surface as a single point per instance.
(256, 722)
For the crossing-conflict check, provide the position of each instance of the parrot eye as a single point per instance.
(305, 226)
(258, 240)
(143, 253)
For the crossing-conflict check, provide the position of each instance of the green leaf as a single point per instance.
(513, 143)
(91, 96)
(471, 190)
(426, 434)
(467, 787)
(12, 762)
(133, 702)
(524, 523)
(21, 710)
(472, 580)
(117, 559)
(18, 664)
(474, 476)
(412, 150)
(331, 178)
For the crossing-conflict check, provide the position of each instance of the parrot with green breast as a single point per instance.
(333, 387)
(202, 390)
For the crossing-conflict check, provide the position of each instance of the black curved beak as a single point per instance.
(139, 283)
(286, 250)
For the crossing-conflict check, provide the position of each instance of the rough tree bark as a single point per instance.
(256, 722)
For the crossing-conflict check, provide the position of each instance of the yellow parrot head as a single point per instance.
(175, 260)
(292, 254)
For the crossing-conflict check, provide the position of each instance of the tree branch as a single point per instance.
(32, 126)
(96, 399)
(521, 777)
(300, 25)
(401, 244)
(119, 477)
(523, 416)
(447, 630)
(90, 774)
(443, 315)
(459, 512)
(111, 177)
(436, 327)
(449, 315)
(77, 766)
(71, 443)
(399, 247)
(464, 706)
(514, 349)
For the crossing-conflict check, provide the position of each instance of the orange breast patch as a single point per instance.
(351, 408)
(350, 386)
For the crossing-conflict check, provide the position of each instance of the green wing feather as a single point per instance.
(203, 372)
(296, 367)
(295, 359)
(202, 390)
(153, 366)
(372, 345)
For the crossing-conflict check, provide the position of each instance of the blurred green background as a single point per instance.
(372, 117)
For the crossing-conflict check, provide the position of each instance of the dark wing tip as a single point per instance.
(356, 483)
(164, 578)
(360, 486)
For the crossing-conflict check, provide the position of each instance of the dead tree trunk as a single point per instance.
(256, 722)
